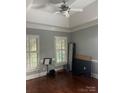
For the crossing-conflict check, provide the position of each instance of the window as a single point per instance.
(61, 50)
(32, 52)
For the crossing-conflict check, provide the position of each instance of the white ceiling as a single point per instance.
(44, 17)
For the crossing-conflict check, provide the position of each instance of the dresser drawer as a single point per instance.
(81, 67)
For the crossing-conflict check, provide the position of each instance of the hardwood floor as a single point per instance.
(64, 82)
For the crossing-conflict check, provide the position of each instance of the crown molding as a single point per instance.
(85, 25)
(61, 29)
(46, 27)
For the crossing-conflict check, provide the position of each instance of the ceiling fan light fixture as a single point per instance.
(66, 14)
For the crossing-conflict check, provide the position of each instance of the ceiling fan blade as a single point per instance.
(76, 10)
(51, 8)
(57, 12)
(28, 2)
(39, 3)
(37, 6)
(69, 2)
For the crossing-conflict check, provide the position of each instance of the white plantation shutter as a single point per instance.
(61, 50)
(32, 52)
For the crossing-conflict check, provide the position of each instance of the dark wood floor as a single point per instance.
(64, 82)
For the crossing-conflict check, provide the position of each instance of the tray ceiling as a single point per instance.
(42, 16)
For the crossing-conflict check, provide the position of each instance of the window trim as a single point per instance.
(61, 63)
(38, 53)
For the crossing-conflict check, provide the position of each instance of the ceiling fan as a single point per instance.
(57, 6)
(65, 9)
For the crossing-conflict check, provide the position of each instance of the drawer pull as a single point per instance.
(84, 68)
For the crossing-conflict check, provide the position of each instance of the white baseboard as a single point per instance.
(28, 77)
(59, 69)
(44, 73)
(94, 75)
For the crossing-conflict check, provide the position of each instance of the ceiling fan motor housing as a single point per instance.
(64, 8)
